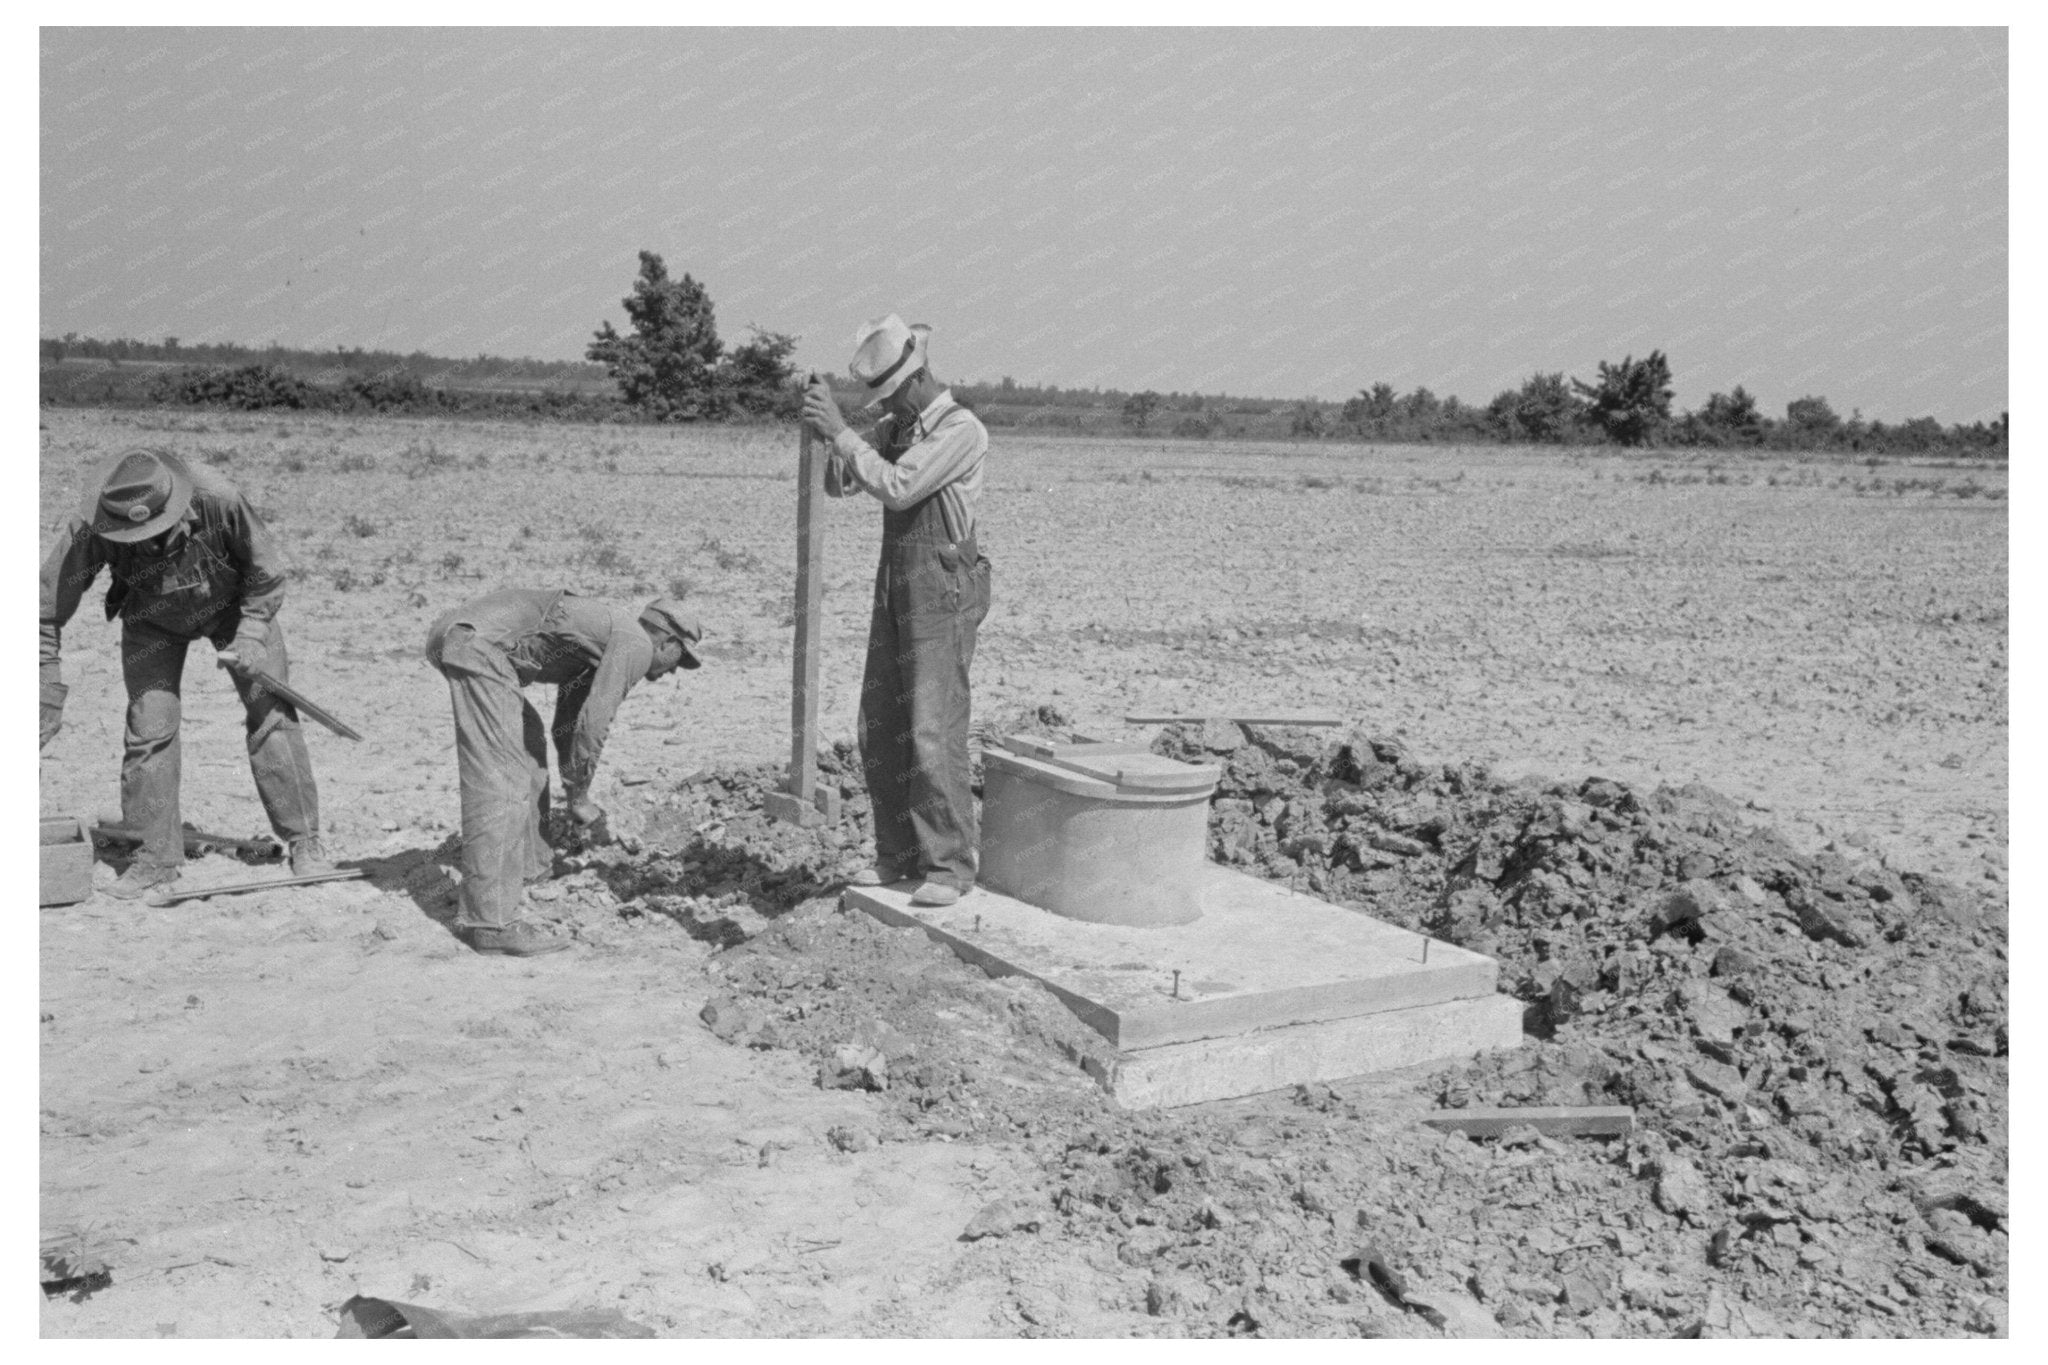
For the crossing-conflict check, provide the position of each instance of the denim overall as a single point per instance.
(931, 593)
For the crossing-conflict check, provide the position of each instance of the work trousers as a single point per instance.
(153, 667)
(930, 598)
(501, 755)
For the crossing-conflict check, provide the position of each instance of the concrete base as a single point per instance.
(1272, 1058)
(1267, 989)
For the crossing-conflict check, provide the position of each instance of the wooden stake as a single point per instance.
(801, 802)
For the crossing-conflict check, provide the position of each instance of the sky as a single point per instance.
(1274, 212)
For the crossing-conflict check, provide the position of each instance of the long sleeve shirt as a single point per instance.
(591, 651)
(942, 452)
(223, 563)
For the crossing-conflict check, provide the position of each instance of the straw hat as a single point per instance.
(885, 354)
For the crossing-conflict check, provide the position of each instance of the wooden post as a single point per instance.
(802, 801)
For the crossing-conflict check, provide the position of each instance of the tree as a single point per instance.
(1543, 410)
(1632, 401)
(1420, 408)
(1811, 423)
(1727, 419)
(1307, 420)
(668, 368)
(759, 378)
(1138, 409)
(1371, 410)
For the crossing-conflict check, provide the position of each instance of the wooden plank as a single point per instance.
(1550, 1120)
(1310, 718)
(196, 893)
(802, 781)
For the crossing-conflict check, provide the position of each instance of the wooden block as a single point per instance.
(65, 862)
(792, 810)
(1552, 1121)
(1329, 1050)
(1311, 718)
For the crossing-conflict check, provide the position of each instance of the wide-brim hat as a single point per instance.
(667, 615)
(885, 354)
(141, 493)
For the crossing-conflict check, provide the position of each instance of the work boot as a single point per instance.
(520, 938)
(935, 894)
(140, 879)
(309, 858)
(878, 876)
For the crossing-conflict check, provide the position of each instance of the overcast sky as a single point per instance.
(1273, 212)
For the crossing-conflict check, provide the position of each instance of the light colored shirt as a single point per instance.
(942, 453)
(591, 651)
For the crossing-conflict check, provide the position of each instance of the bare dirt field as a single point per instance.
(261, 1105)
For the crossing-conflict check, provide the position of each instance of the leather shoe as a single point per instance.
(309, 857)
(935, 894)
(142, 878)
(517, 939)
(877, 876)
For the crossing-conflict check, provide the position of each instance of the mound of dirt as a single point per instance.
(1815, 1046)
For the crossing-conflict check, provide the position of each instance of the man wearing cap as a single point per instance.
(189, 559)
(488, 650)
(931, 593)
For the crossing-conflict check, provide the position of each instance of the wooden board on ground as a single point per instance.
(195, 893)
(1310, 718)
(1550, 1120)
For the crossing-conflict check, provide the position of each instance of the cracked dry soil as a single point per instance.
(735, 1110)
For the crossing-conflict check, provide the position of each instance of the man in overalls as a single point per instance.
(189, 560)
(931, 593)
(488, 650)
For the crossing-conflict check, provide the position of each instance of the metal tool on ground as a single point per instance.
(197, 893)
(1601, 1120)
(311, 709)
(366, 1318)
(803, 801)
(198, 842)
(1253, 717)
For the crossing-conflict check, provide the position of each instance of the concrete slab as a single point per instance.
(1259, 957)
(1331, 1050)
